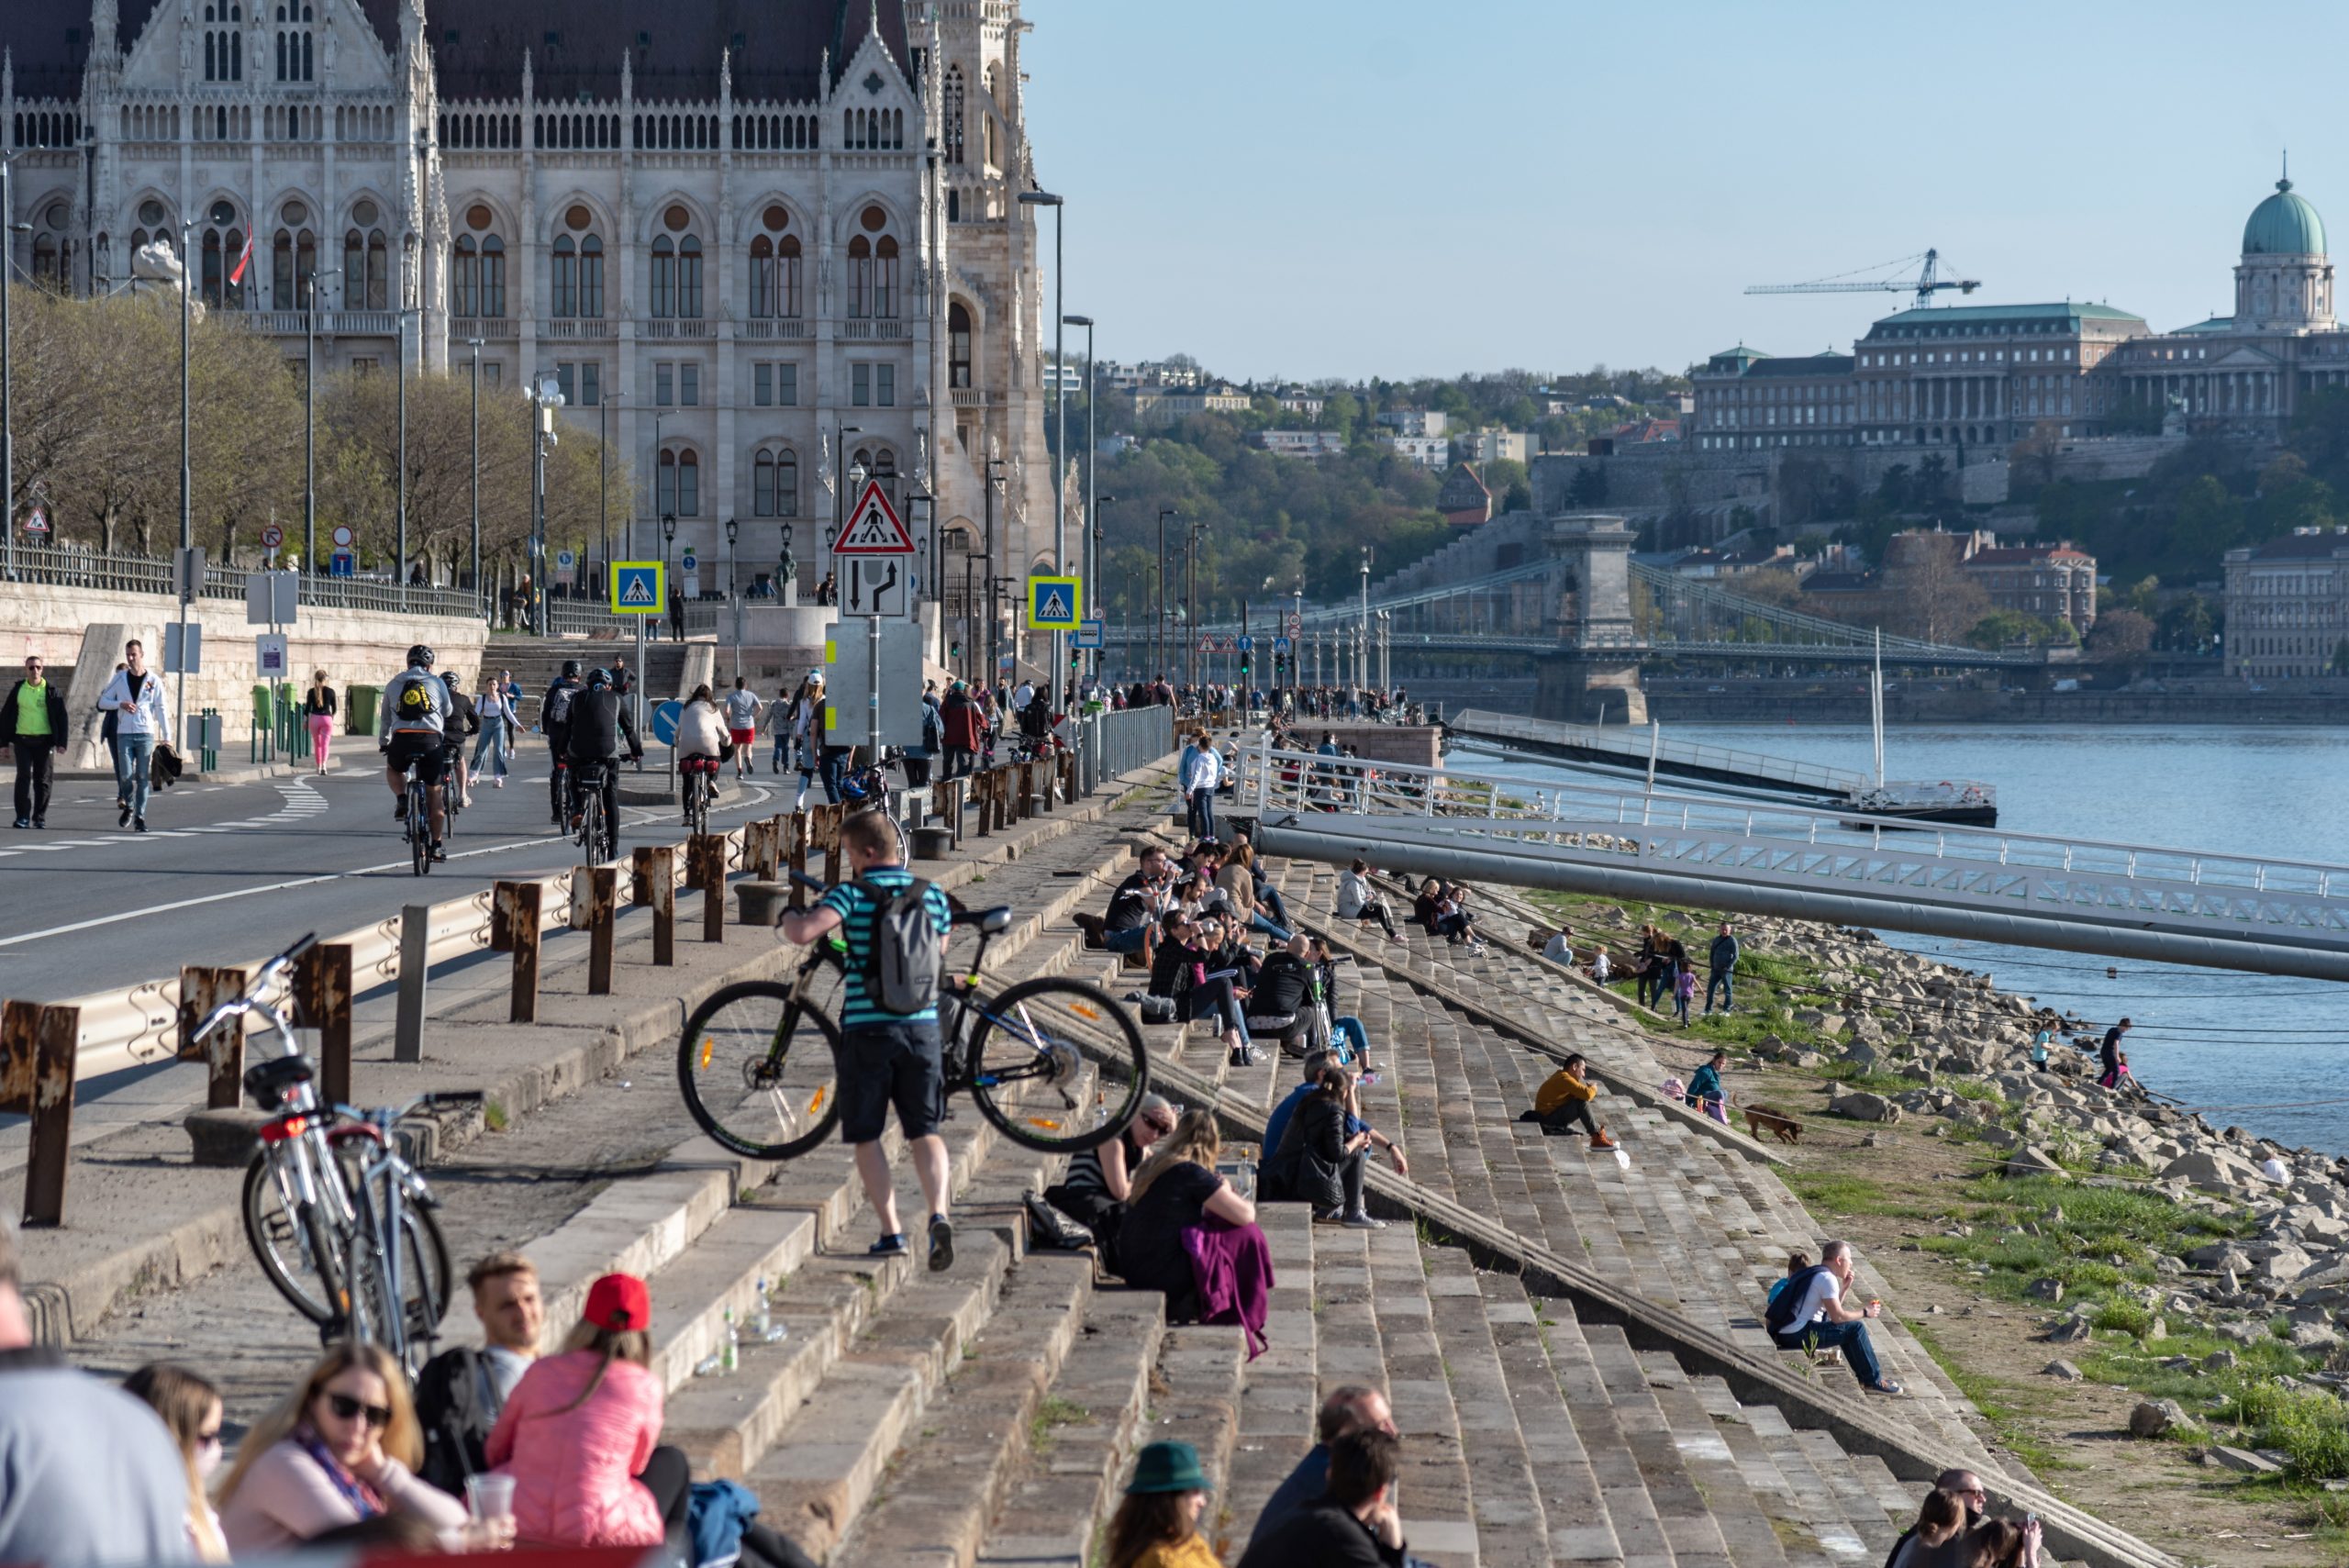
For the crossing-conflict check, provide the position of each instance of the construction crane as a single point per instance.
(1925, 285)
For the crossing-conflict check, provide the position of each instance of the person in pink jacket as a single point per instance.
(341, 1451)
(580, 1434)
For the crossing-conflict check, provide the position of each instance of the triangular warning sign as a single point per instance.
(874, 527)
(635, 589)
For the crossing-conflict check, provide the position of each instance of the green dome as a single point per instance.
(2284, 225)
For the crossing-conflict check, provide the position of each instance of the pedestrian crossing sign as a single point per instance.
(1054, 603)
(872, 527)
(638, 588)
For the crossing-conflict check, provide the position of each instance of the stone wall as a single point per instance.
(83, 629)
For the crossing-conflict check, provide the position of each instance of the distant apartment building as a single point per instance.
(1428, 451)
(1414, 421)
(2052, 582)
(1498, 446)
(1057, 377)
(1165, 405)
(1306, 405)
(1147, 373)
(1463, 500)
(1641, 432)
(1306, 444)
(2287, 605)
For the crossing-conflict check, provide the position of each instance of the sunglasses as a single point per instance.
(346, 1408)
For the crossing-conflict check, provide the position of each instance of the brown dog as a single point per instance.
(1761, 1119)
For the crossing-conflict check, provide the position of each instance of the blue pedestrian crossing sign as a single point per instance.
(1281, 645)
(1054, 603)
(638, 587)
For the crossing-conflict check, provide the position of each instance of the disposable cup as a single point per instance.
(490, 1497)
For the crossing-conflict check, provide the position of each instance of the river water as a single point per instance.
(2213, 1038)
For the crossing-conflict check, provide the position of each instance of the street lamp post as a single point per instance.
(1158, 649)
(7, 370)
(1362, 635)
(1060, 406)
(187, 476)
(1195, 532)
(995, 477)
(1296, 639)
(734, 596)
(1091, 550)
(841, 433)
(545, 398)
(402, 356)
(1093, 576)
(479, 602)
(310, 419)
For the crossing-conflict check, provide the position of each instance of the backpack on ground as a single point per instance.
(908, 954)
(1778, 1317)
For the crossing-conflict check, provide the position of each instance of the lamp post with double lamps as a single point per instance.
(480, 600)
(546, 396)
(1059, 400)
(310, 417)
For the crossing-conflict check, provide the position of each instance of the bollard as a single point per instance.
(37, 1043)
(796, 831)
(706, 869)
(595, 892)
(515, 907)
(656, 885)
(828, 839)
(415, 961)
(763, 843)
(982, 790)
(1068, 777)
(203, 988)
(956, 803)
(322, 1002)
(1027, 791)
(1003, 797)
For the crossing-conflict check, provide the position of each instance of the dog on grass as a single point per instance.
(1777, 1123)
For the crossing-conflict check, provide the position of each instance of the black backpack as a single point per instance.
(908, 954)
(557, 708)
(1780, 1315)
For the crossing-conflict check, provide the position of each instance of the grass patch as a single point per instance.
(2311, 1425)
(492, 1115)
(1989, 1397)
(1051, 1416)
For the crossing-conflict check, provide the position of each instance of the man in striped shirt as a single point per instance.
(885, 1058)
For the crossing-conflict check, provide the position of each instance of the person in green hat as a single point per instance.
(1158, 1524)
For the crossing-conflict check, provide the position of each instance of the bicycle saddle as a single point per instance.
(268, 1081)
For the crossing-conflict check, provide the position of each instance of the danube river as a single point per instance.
(2212, 1038)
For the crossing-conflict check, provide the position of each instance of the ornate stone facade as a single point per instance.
(754, 243)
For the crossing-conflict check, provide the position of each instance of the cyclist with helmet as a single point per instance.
(554, 719)
(599, 724)
(464, 720)
(413, 730)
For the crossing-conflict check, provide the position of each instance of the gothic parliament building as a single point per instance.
(755, 241)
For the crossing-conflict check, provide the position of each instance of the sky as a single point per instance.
(1349, 188)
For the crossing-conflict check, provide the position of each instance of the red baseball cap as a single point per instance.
(619, 1303)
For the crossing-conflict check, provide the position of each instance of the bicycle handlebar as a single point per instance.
(262, 980)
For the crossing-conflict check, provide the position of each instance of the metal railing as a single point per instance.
(65, 566)
(1118, 741)
(581, 618)
(2186, 905)
(1631, 746)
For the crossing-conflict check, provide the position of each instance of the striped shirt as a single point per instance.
(857, 909)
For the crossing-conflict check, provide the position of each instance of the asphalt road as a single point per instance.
(228, 873)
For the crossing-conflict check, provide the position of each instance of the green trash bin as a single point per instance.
(359, 710)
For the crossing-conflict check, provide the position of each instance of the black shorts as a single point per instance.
(428, 751)
(883, 1065)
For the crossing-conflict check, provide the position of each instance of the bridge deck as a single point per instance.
(1631, 746)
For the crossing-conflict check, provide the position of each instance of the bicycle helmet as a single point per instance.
(571, 669)
(599, 680)
(419, 657)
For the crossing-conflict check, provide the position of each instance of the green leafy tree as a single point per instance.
(2208, 522)
(1589, 486)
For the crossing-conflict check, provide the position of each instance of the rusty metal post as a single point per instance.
(769, 856)
(796, 830)
(957, 802)
(1026, 790)
(516, 907)
(1005, 802)
(37, 1054)
(983, 788)
(203, 988)
(828, 830)
(706, 869)
(656, 885)
(595, 894)
(322, 1002)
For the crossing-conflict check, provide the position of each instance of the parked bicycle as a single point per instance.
(756, 1062)
(341, 1223)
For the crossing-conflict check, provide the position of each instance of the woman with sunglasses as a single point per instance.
(343, 1450)
(190, 1407)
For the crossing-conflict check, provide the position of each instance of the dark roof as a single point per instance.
(1840, 582)
(2074, 311)
(2024, 554)
(1803, 364)
(2322, 545)
(574, 45)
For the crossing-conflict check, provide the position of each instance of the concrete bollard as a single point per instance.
(416, 962)
(38, 1042)
(514, 910)
(203, 988)
(656, 886)
(322, 1002)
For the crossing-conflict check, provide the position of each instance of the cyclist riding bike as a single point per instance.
(701, 738)
(412, 732)
(599, 723)
(465, 721)
(554, 719)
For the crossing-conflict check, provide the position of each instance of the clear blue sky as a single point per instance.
(1350, 188)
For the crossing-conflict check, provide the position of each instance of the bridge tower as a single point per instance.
(1594, 678)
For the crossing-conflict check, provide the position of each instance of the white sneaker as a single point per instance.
(1363, 1222)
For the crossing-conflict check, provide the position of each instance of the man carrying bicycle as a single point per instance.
(885, 1058)
(412, 733)
(599, 723)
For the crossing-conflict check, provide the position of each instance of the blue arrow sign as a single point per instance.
(1246, 645)
(664, 722)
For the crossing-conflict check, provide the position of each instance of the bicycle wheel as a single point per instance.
(294, 1248)
(590, 826)
(419, 829)
(1028, 1054)
(757, 1068)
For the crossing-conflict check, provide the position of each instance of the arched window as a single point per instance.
(958, 344)
(689, 278)
(954, 114)
(860, 277)
(775, 488)
(565, 279)
(45, 260)
(465, 277)
(493, 275)
(281, 272)
(664, 277)
(786, 274)
(591, 276)
(762, 484)
(885, 277)
(366, 282)
(762, 277)
(883, 469)
(679, 490)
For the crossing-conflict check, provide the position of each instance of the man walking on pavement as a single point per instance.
(742, 724)
(1720, 969)
(32, 719)
(136, 699)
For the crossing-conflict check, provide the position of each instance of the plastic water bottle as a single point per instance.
(763, 1324)
(729, 1355)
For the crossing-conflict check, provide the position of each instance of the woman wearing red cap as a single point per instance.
(578, 1434)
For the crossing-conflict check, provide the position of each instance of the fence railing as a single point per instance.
(65, 566)
(1119, 742)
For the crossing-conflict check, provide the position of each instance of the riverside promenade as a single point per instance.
(1571, 1342)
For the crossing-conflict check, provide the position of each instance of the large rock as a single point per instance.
(2214, 1171)
(2047, 1289)
(2244, 1461)
(2063, 1372)
(2157, 1417)
(1865, 1108)
(2071, 1330)
(2033, 1160)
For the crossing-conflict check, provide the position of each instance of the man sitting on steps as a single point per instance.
(1811, 1313)
(461, 1391)
(1348, 1409)
(1131, 923)
(1562, 1103)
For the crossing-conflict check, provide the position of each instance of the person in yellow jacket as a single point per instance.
(1157, 1526)
(1562, 1103)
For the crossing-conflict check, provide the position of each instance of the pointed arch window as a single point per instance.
(664, 277)
(774, 487)
(565, 281)
(591, 276)
(465, 277)
(774, 269)
(958, 344)
(678, 491)
(953, 115)
(860, 277)
(885, 277)
(689, 278)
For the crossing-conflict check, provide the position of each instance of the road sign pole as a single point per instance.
(873, 695)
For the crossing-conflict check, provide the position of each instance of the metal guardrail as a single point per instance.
(2186, 905)
(1631, 745)
(582, 618)
(64, 566)
(1123, 740)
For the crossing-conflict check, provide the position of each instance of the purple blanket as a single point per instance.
(1232, 1267)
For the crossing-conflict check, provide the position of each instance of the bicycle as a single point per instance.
(418, 822)
(753, 1077)
(698, 785)
(311, 1197)
(595, 830)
